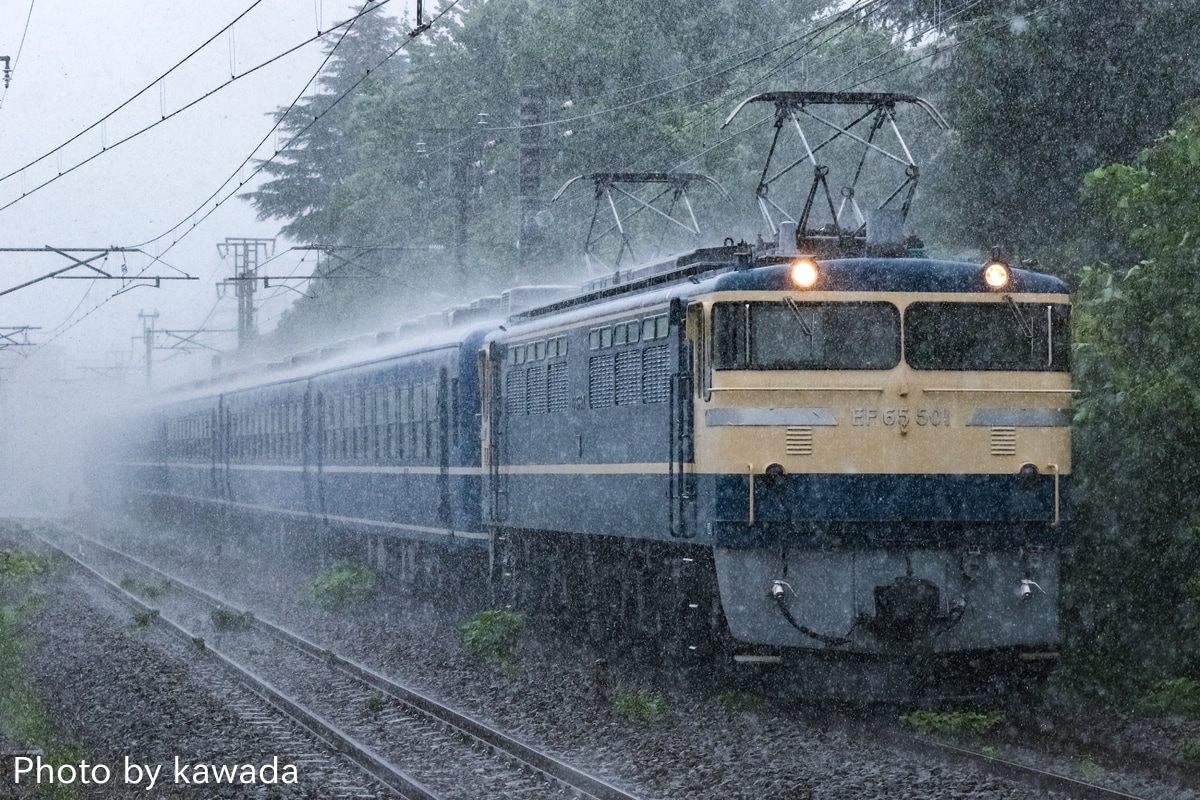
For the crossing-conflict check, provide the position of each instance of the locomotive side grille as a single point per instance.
(1004, 441)
(629, 378)
(798, 441)
(656, 381)
(536, 391)
(558, 386)
(601, 382)
(514, 392)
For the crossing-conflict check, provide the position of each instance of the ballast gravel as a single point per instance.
(715, 742)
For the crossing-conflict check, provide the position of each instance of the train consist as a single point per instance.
(823, 449)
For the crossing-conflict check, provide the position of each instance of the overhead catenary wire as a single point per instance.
(157, 82)
(61, 172)
(347, 26)
(370, 6)
(271, 156)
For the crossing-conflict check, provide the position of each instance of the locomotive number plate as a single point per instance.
(901, 417)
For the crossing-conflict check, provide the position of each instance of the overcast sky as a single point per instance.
(77, 63)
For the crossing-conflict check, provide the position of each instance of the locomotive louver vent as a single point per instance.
(601, 381)
(629, 377)
(1004, 441)
(656, 382)
(798, 441)
(514, 392)
(558, 386)
(536, 391)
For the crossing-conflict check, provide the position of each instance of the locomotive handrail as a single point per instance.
(1057, 494)
(952, 389)
(796, 389)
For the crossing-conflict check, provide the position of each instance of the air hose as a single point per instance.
(778, 594)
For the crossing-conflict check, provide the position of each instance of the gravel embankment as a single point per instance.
(701, 749)
(119, 690)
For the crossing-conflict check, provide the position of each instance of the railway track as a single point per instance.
(394, 732)
(1042, 779)
(414, 745)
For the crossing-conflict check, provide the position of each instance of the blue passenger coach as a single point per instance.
(381, 440)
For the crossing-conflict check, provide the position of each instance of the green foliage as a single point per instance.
(226, 619)
(1089, 770)
(1041, 94)
(492, 636)
(1135, 565)
(22, 565)
(952, 724)
(144, 616)
(23, 718)
(1177, 696)
(374, 703)
(1190, 750)
(642, 705)
(150, 591)
(342, 586)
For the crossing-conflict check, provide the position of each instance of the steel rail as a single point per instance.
(366, 759)
(499, 741)
(1004, 768)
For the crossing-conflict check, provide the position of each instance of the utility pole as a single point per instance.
(531, 147)
(248, 254)
(148, 339)
(181, 340)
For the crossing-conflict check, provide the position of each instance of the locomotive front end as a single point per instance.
(882, 458)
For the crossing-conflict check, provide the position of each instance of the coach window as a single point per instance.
(654, 327)
(454, 417)
(275, 422)
(416, 421)
(325, 406)
(365, 401)
(354, 424)
(358, 423)
(433, 407)
(297, 429)
(335, 420)
(331, 425)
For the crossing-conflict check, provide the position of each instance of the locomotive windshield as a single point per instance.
(792, 335)
(1030, 337)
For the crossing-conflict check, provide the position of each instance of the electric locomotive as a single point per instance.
(863, 453)
(873, 454)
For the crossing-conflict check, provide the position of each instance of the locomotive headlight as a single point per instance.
(804, 273)
(995, 275)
